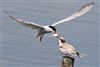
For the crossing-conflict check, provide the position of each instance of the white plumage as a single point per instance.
(65, 48)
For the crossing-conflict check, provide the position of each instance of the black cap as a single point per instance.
(53, 28)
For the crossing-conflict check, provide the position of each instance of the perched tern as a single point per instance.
(65, 48)
(51, 28)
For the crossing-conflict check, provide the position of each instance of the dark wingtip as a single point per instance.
(92, 3)
(6, 12)
(78, 54)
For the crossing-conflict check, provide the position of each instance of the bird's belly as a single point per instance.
(43, 31)
(64, 52)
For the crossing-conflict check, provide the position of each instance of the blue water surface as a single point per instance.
(20, 48)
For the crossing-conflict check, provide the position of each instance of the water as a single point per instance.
(20, 48)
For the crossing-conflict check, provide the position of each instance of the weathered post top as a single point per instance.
(67, 61)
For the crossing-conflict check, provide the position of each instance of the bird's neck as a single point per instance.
(60, 43)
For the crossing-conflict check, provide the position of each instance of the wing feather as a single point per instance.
(25, 23)
(79, 13)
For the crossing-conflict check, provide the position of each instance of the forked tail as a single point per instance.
(81, 55)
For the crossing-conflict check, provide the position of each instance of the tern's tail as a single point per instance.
(81, 55)
(78, 54)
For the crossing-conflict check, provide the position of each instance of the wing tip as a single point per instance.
(6, 12)
(91, 3)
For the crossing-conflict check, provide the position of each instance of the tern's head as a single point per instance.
(62, 40)
(53, 28)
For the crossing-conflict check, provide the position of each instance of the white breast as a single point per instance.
(67, 49)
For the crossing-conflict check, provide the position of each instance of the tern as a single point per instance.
(51, 28)
(65, 48)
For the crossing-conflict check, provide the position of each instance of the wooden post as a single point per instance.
(67, 62)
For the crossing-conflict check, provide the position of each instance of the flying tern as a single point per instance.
(51, 28)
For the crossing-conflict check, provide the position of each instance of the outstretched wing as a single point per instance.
(25, 23)
(79, 13)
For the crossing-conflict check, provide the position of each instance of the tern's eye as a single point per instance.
(60, 46)
(72, 53)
